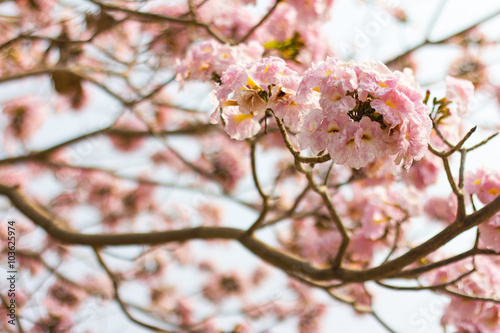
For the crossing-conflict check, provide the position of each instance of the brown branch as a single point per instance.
(446, 164)
(461, 142)
(296, 153)
(441, 136)
(197, 129)
(59, 230)
(323, 192)
(25, 74)
(474, 298)
(441, 41)
(485, 141)
(264, 196)
(414, 272)
(255, 27)
(150, 17)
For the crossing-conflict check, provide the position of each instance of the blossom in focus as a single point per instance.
(368, 112)
(247, 91)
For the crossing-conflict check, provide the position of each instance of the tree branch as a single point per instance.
(122, 305)
(59, 230)
(441, 41)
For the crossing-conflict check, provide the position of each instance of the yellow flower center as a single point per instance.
(238, 118)
(390, 104)
(493, 191)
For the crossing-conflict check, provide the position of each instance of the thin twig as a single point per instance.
(474, 298)
(461, 142)
(251, 31)
(485, 141)
(122, 305)
(322, 191)
(432, 287)
(156, 17)
(264, 196)
(441, 41)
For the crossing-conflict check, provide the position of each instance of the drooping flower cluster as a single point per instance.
(248, 91)
(356, 112)
(366, 112)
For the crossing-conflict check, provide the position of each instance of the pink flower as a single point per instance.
(460, 92)
(63, 295)
(489, 233)
(246, 92)
(369, 112)
(139, 199)
(423, 172)
(209, 59)
(312, 10)
(286, 108)
(309, 135)
(250, 102)
(357, 143)
(358, 293)
(281, 25)
(212, 214)
(224, 285)
(485, 183)
(11, 176)
(25, 116)
(313, 241)
(184, 311)
(442, 209)
(239, 126)
(230, 18)
(469, 315)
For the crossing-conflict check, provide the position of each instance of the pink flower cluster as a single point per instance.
(472, 315)
(208, 59)
(366, 112)
(355, 112)
(485, 184)
(247, 91)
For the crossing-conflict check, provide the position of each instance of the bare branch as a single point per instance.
(441, 41)
(114, 280)
(264, 18)
(264, 196)
(485, 141)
